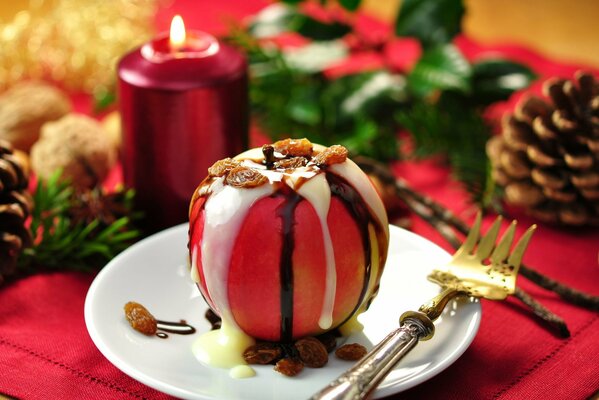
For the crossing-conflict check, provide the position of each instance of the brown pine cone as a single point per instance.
(15, 206)
(547, 158)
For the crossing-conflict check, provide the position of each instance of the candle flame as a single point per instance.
(177, 35)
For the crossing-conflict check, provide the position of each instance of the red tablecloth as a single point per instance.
(46, 353)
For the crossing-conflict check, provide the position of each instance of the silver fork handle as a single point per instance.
(360, 380)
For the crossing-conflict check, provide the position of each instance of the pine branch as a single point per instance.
(62, 242)
(458, 132)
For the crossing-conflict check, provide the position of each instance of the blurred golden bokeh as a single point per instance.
(74, 42)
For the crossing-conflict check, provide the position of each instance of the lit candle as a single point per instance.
(183, 102)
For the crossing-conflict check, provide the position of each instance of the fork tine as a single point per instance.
(503, 247)
(488, 241)
(472, 237)
(516, 257)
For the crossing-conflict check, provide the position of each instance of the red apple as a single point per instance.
(293, 255)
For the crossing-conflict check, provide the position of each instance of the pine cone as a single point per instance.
(547, 159)
(15, 206)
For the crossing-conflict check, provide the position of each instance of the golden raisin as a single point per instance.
(294, 147)
(262, 353)
(291, 163)
(221, 167)
(351, 352)
(244, 177)
(140, 318)
(289, 366)
(335, 154)
(312, 352)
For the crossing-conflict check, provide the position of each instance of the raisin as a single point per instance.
(335, 154)
(263, 353)
(221, 167)
(294, 147)
(289, 366)
(140, 318)
(351, 352)
(312, 352)
(244, 177)
(291, 163)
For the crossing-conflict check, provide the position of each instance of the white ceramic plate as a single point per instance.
(154, 273)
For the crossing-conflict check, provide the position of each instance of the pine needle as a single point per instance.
(62, 243)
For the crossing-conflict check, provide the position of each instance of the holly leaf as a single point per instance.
(440, 68)
(496, 79)
(316, 56)
(431, 22)
(350, 5)
(279, 18)
(317, 30)
(272, 20)
(377, 90)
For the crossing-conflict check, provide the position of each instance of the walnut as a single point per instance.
(76, 144)
(25, 108)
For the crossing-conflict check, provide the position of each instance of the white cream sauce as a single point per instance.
(226, 208)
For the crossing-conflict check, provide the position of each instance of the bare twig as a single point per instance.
(546, 315)
(431, 212)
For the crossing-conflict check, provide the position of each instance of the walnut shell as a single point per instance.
(78, 145)
(25, 107)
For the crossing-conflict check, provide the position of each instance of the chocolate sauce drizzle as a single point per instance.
(178, 328)
(357, 207)
(287, 213)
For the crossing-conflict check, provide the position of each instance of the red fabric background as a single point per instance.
(46, 353)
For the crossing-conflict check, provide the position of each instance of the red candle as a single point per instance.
(184, 104)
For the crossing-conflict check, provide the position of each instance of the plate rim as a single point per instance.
(174, 390)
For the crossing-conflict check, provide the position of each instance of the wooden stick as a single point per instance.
(435, 209)
(546, 315)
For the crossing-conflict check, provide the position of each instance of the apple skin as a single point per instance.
(254, 275)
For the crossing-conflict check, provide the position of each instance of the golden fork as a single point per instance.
(477, 269)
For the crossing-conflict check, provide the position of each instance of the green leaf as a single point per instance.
(496, 79)
(431, 22)
(317, 30)
(350, 5)
(440, 68)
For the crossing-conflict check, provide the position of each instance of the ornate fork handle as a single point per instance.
(364, 377)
